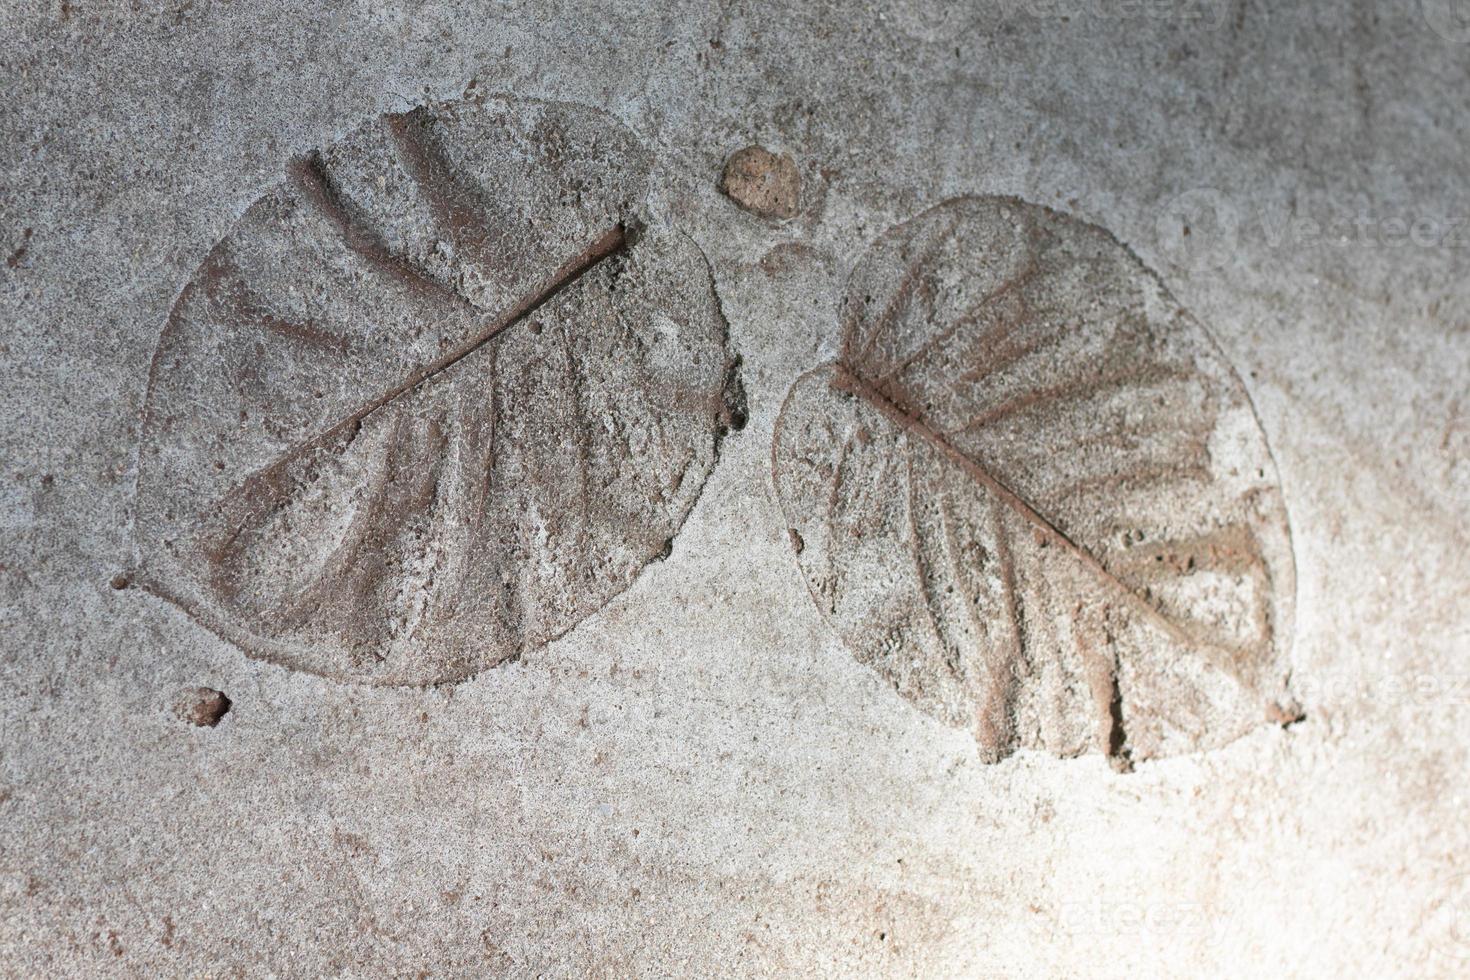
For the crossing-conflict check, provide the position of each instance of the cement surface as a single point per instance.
(700, 779)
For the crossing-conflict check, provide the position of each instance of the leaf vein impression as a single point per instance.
(846, 379)
(610, 243)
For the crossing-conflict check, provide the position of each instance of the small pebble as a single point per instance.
(762, 182)
(203, 706)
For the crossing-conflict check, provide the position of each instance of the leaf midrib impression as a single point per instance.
(848, 380)
(612, 242)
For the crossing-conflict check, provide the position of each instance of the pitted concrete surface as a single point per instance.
(698, 777)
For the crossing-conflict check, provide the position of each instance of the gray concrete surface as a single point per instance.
(700, 779)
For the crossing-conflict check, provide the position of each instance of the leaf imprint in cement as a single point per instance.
(1032, 495)
(433, 400)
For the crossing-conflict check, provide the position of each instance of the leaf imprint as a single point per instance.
(434, 400)
(1084, 546)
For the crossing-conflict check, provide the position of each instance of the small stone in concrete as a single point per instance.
(203, 706)
(762, 182)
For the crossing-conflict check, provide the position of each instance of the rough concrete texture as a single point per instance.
(699, 777)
